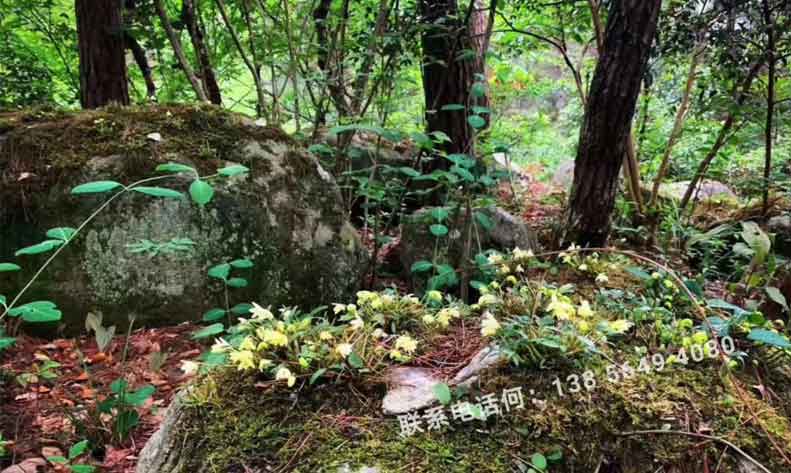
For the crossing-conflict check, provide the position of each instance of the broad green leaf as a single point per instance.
(159, 192)
(479, 89)
(409, 171)
(96, 187)
(175, 167)
(442, 392)
(43, 247)
(463, 173)
(438, 230)
(139, 397)
(59, 460)
(61, 233)
(37, 312)
(241, 309)
(237, 282)
(242, 263)
(421, 266)
(452, 107)
(6, 267)
(769, 338)
(6, 342)
(315, 376)
(221, 271)
(484, 220)
(355, 361)
(539, 461)
(638, 273)
(82, 469)
(210, 331)
(235, 170)
(777, 296)
(480, 110)
(118, 385)
(78, 449)
(476, 121)
(439, 213)
(213, 314)
(201, 192)
(462, 160)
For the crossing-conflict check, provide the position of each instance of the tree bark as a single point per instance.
(142, 63)
(103, 75)
(770, 101)
(189, 16)
(606, 129)
(447, 78)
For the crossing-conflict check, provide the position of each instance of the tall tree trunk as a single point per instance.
(631, 27)
(142, 63)
(189, 15)
(103, 77)
(770, 101)
(175, 42)
(447, 77)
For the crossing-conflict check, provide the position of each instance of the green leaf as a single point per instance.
(6, 342)
(479, 89)
(438, 230)
(201, 192)
(476, 121)
(241, 309)
(96, 187)
(235, 170)
(78, 449)
(638, 273)
(139, 397)
(463, 173)
(221, 271)
(452, 107)
(175, 167)
(480, 110)
(37, 312)
(6, 267)
(355, 361)
(769, 338)
(213, 314)
(61, 233)
(243, 263)
(82, 468)
(409, 171)
(237, 282)
(159, 192)
(315, 376)
(210, 331)
(777, 296)
(439, 213)
(118, 385)
(58, 460)
(421, 266)
(484, 220)
(442, 392)
(539, 461)
(43, 247)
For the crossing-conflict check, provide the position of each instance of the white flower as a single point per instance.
(602, 279)
(522, 254)
(338, 308)
(489, 325)
(487, 299)
(325, 335)
(259, 313)
(189, 367)
(221, 346)
(584, 310)
(343, 349)
(284, 374)
(379, 333)
(356, 323)
(406, 343)
(583, 267)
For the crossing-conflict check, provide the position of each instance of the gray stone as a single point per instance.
(564, 175)
(487, 358)
(410, 389)
(417, 242)
(707, 190)
(162, 453)
(366, 469)
(781, 227)
(286, 215)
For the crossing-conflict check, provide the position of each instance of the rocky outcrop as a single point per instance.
(285, 215)
(781, 227)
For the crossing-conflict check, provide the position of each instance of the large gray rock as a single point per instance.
(781, 227)
(286, 216)
(417, 242)
(707, 190)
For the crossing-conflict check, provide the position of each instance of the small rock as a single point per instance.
(366, 469)
(487, 357)
(156, 137)
(411, 390)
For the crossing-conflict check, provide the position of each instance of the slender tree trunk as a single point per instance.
(770, 101)
(103, 75)
(741, 96)
(175, 43)
(604, 137)
(142, 63)
(189, 15)
(447, 78)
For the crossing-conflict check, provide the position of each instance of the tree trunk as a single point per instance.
(770, 102)
(604, 137)
(175, 42)
(189, 16)
(103, 77)
(142, 63)
(447, 77)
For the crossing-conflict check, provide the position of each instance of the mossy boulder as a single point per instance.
(285, 215)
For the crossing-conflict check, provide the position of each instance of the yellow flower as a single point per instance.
(487, 299)
(284, 374)
(259, 313)
(406, 343)
(434, 296)
(562, 310)
(443, 318)
(247, 344)
(272, 337)
(325, 335)
(520, 269)
(511, 280)
(583, 326)
(410, 299)
(700, 338)
(656, 275)
(244, 359)
(583, 267)
(338, 308)
(356, 323)
(264, 364)
(429, 319)
(343, 349)
(303, 362)
(397, 355)
(189, 367)
(489, 325)
(584, 310)
(522, 254)
(364, 297)
(620, 326)
(495, 258)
